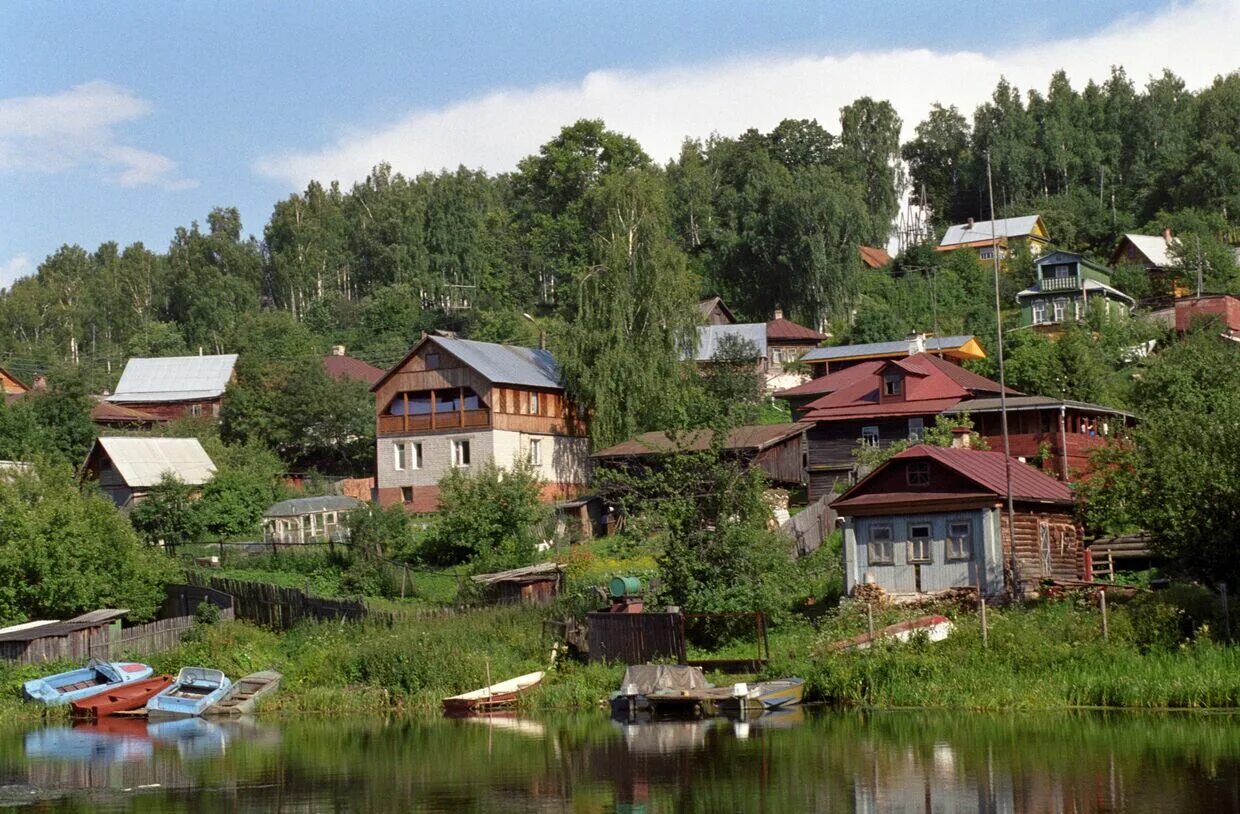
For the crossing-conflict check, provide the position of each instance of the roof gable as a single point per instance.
(936, 385)
(710, 337)
(961, 234)
(780, 329)
(142, 462)
(711, 305)
(1156, 249)
(498, 364)
(174, 378)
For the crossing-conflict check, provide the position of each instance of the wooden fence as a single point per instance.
(636, 638)
(280, 608)
(811, 526)
(104, 642)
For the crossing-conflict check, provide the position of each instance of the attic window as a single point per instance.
(432, 361)
(917, 473)
(893, 384)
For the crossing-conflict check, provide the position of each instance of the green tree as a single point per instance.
(732, 385)
(490, 518)
(168, 515)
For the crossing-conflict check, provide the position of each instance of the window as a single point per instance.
(415, 455)
(400, 456)
(869, 436)
(986, 252)
(959, 540)
(917, 473)
(195, 410)
(777, 358)
(432, 361)
(1061, 310)
(406, 494)
(215, 409)
(533, 404)
(1061, 272)
(882, 548)
(536, 451)
(893, 384)
(1039, 312)
(916, 429)
(460, 453)
(919, 544)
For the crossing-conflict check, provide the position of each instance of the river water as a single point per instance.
(811, 760)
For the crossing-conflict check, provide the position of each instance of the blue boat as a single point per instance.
(192, 694)
(95, 677)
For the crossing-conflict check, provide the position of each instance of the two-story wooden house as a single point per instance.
(1007, 233)
(460, 403)
(1068, 288)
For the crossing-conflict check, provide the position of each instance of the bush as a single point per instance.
(490, 518)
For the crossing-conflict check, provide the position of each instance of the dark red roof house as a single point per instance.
(932, 519)
(340, 366)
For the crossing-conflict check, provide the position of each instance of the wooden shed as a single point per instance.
(534, 585)
(76, 639)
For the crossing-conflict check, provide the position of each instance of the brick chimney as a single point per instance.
(779, 313)
(337, 350)
(962, 438)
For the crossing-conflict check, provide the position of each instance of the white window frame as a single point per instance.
(400, 457)
(461, 453)
(1060, 305)
(536, 451)
(888, 545)
(959, 545)
(1039, 312)
(916, 429)
(195, 410)
(533, 403)
(921, 546)
(870, 436)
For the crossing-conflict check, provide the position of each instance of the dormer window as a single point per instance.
(917, 473)
(893, 384)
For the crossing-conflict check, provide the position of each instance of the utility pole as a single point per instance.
(1003, 416)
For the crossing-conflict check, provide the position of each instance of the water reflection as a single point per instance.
(793, 761)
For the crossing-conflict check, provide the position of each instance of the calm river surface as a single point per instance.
(816, 760)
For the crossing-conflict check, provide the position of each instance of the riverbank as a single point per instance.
(1159, 652)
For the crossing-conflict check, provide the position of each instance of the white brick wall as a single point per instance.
(436, 457)
(564, 459)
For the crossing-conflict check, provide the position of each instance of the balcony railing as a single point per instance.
(425, 422)
(1060, 283)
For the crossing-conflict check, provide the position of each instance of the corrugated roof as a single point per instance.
(985, 468)
(346, 367)
(174, 378)
(838, 352)
(142, 462)
(295, 507)
(832, 381)
(32, 631)
(498, 364)
(755, 437)
(874, 257)
(962, 233)
(1086, 284)
(785, 330)
(1156, 249)
(709, 337)
(1025, 403)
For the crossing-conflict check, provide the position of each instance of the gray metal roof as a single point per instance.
(1156, 248)
(295, 507)
(142, 462)
(505, 364)
(710, 336)
(981, 230)
(174, 378)
(933, 343)
(1025, 403)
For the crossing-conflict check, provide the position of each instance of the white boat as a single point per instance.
(495, 696)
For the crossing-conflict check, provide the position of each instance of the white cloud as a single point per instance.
(661, 107)
(76, 128)
(17, 267)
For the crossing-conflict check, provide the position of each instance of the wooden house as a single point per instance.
(777, 449)
(1155, 254)
(342, 367)
(982, 236)
(776, 344)
(127, 468)
(931, 519)
(456, 403)
(120, 417)
(175, 386)
(716, 312)
(1067, 289)
(309, 520)
(11, 385)
(822, 361)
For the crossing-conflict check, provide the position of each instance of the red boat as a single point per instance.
(122, 699)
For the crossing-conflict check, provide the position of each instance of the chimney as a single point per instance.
(779, 313)
(970, 223)
(337, 350)
(1166, 235)
(962, 438)
(916, 344)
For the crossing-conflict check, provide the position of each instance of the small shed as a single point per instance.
(78, 639)
(309, 520)
(535, 585)
(583, 517)
(127, 468)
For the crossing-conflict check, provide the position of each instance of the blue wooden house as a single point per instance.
(931, 519)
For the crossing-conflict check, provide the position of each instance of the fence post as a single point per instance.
(1102, 603)
(404, 576)
(981, 601)
(869, 616)
(1226, 612)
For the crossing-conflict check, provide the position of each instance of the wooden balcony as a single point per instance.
(431, 422)
(1059, 284)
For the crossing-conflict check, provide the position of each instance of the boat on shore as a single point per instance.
(934, 628)
(496, 696)
(96, 677)
(242, 698)
(124, 698)
(763, 696)
(191, 695)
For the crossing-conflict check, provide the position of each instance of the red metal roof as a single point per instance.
(874, 257)
(832, 381)
(786, 330)
(346, 367)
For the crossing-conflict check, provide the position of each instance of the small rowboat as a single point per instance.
(242, 699)
(496, 696)
(935, 628)
(193, 692)
(764, 695)
(95, 677)
(120, 699)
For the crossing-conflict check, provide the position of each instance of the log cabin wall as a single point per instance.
(1048, 545)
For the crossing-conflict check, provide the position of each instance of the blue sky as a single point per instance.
(124, 120)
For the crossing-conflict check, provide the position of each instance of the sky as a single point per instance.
(124, 120)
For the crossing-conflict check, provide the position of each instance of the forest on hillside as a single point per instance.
(595, 245)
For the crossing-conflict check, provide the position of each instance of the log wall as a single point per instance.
(1048, 546)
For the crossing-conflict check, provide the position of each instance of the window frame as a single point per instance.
(889, 543)
(1039, 312)
(415, 460)
(400, 457)
(923, 541)
(536, 452)
(920, 433)
(893, 384)
(534, 403)
(1060, 306)
(951, 541)
(461, 453)
(922, 473)
(432, 360)
(868, 438)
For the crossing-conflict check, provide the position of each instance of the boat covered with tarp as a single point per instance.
(643, 680)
